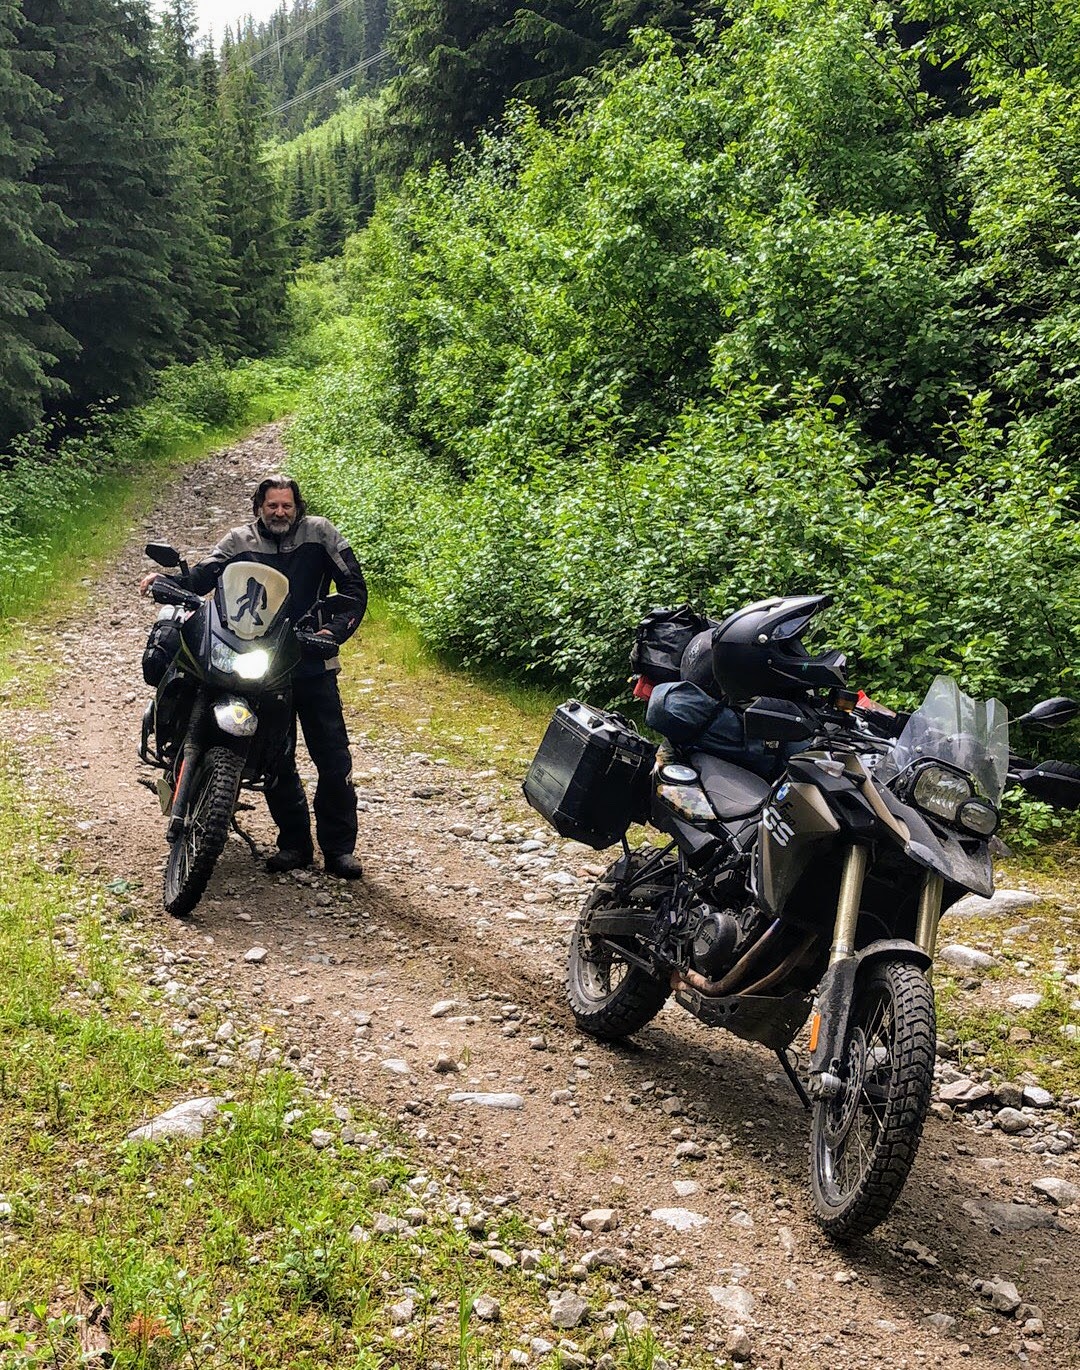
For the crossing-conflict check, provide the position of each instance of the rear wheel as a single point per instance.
(193, 855)
(864, 1139)
(609, 996)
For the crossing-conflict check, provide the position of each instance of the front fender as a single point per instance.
(832, 1003)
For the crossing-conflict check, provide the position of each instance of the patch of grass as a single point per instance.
(1034, 953)
(400, 687)
(250, 1247)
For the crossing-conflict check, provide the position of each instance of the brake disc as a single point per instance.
(844, 1107)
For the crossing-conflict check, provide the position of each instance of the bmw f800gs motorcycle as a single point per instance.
(815, 896)
(222, 711)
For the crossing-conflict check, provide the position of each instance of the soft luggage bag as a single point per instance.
(590, 775)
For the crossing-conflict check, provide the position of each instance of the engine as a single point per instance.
(720, 936)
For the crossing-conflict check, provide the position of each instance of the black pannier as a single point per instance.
(162, 644)
(660, 640)
(590, 775)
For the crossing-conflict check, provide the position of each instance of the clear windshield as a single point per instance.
(949, 726)
(250, 596)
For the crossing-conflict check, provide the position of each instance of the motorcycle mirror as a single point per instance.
(1050, 713)
(778, 720)
(162, 553)
(1054, 782)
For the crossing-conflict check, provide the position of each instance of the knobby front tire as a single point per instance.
(193, 855)
(864, 1140)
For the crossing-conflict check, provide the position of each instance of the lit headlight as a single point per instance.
(252, 665)
(941, 792)
(247, 665)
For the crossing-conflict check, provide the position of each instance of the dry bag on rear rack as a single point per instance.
(660, 640)
(590, 775)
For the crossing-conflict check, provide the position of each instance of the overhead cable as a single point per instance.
(293, 34)
(331, 81)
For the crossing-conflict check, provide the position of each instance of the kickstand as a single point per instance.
(796, 1083)
(247, 838)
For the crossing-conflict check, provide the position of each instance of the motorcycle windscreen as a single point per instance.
(950, 726)
(250, 596)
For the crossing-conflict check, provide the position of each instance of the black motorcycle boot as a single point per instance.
(289, 859)
(344, 865)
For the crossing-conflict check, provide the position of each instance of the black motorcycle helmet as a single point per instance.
(697, 663)
(759, 651)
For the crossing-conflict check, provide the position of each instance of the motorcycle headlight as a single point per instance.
(247, 665)
(252, 665)
(979, 817)
(941, 792)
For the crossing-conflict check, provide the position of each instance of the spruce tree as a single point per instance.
(107, 169)
(252, 212)
(31, 272)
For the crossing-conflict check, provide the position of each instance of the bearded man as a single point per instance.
(313, 555)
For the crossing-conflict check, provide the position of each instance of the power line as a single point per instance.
(291, 37)
(331, 81)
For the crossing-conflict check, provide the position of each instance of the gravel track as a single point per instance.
(352, 972)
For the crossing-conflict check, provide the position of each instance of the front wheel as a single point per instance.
(609, 996)
(194, 853)
(864, 1139)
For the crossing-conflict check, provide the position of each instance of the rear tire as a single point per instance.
(609, 997)
(864, 1140)
(193, 855)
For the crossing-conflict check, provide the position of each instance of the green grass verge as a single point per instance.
(251, 1247)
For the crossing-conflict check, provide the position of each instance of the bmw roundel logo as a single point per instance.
(783, 792)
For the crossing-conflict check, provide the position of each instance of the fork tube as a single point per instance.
(847, 906)
(929, 912)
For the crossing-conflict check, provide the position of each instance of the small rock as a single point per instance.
(225, 1032)
(485, 1100)
(1057, 1190)
(940, 1322)
(681, 1219)
(487, 1308)
(1011, 1121)
(964, 1093)
(1009, 1217)
(255, 954)
(568, 1310)
(402, 1313)
(501, 1259)
(1000, 1294)
(1037, 1097)
(321, 1139)
(732, 1299)
(738, 1343)
(1007, 1095)
(965, 958)
(443, 1007)
(1000, 904)
(445, 1065)
(395, 1066)
(187, 1119)
(1026, 1001)
(599, 1220)
(689, 1151)
(685, 1188)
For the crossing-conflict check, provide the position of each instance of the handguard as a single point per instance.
(316, 644)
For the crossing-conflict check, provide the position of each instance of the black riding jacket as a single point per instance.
(312, 555)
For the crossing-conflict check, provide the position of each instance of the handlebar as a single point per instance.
(164, 590)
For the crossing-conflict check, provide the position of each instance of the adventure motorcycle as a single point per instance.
(222, 712)
(813, 895)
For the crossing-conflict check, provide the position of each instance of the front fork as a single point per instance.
(828, 1022)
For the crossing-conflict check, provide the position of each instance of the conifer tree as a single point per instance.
(106, 168)
(31, 272)
(252, 219)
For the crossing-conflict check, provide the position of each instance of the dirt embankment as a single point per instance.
(450, 953)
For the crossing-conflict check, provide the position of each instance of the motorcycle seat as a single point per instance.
(734, 792)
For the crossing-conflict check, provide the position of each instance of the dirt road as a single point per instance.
(450, 952)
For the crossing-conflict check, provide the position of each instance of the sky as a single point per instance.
(217, 14)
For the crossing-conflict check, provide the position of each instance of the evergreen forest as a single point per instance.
(601, 304)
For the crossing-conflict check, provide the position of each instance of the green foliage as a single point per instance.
(716, 337)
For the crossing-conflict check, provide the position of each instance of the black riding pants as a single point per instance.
(317, 705)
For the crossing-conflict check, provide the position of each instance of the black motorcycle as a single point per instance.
(815, 895)
(222, 712)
